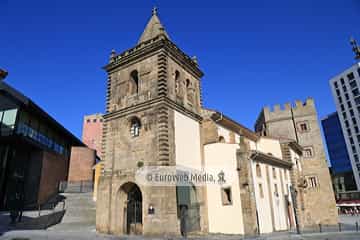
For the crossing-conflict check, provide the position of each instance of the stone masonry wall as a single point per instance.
(319, 202)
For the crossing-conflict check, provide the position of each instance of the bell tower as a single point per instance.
(153, 107)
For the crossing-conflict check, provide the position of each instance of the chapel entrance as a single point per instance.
(133, 209)
(188, 209)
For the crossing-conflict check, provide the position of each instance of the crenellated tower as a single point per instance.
(299, 122)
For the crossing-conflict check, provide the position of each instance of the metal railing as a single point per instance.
(324, 228)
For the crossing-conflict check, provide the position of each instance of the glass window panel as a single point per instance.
(9, 117)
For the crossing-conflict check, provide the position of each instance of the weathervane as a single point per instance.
(154, 10)
(355, 48)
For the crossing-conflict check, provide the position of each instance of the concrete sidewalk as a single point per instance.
(81, 235)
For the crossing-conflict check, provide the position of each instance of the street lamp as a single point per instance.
(294, 201)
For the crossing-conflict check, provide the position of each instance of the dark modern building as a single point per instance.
(34, 150)
(341, 170)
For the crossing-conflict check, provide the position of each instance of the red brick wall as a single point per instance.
(81, 162)
(92, 132)
(54, 169)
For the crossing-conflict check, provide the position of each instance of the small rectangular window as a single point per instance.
(287, 189)
(340, 99)
(353, 84)
(258, 170)
(274, 172)
(276, 191)
(336, 85)
(350, 76)
(342, 81)
(226, 196)
(355, 92)
(344, 115)
(357, 100)
(261, 190)
(354, 121)
(303, 127)
(313, 182)
(351, 112)
(346, 96)
(308, 152)
(349, 104)
(347, 123)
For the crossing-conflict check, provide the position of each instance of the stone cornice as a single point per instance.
(266, 158)
(145, 48)
(149, 104)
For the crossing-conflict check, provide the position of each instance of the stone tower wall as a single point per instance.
(319, 202)
(154, 105)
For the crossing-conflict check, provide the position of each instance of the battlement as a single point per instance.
(285, 111)
(287, 107)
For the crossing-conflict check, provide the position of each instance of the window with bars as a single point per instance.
(308, 152)
(313, 182)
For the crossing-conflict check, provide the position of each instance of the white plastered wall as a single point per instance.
(187, 141)
(223, 218)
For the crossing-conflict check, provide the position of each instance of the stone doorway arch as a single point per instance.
(132, 214)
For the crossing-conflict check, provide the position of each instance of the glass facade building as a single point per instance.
(339, 158)
(34, 150)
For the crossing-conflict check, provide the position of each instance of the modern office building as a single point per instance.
(341, 170)
(34, 150)
(346, 93)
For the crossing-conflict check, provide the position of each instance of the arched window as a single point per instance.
(221, 139)
(135, 127)
(187, 82)
(189, 92)
(134, 79)
(258, 170)
(177, 81)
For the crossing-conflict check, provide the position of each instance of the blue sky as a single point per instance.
(253, 53)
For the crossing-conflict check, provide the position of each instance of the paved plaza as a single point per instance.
(84, 231)
(79, 223)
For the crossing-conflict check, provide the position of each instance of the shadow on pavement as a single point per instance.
(30, 223)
